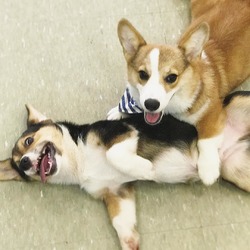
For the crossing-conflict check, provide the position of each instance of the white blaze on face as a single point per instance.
(154, 90)
(154, 61)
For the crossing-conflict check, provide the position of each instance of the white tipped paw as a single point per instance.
(209, 172)
(130, 243)
(114, 114)
(209, 160)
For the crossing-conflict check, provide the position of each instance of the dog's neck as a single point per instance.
(72, 160)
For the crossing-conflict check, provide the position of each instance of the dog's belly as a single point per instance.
(174, 166)
(100, 176)
(232, 133)
(98, 186)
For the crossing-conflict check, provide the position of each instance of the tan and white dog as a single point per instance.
(105, 157)
(191, 80)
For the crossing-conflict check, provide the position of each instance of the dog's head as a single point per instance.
(157, 73)
(37, 152)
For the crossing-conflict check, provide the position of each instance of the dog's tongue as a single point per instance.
(43, 166)
(152, 118)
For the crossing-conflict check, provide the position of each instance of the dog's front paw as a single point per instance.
(209, 171)
(209, 160)
(114, 114)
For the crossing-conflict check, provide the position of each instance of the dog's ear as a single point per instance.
(34, 116)
(130, 39)
(193, 44)
(7, 172)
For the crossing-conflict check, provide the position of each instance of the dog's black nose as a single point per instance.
(152, 104)
(25, 163)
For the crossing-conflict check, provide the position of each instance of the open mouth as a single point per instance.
(46, 162)
(153, 118)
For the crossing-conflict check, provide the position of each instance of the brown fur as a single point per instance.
(112, 200)
(7, 172)
(228, 50)
(121, 138)
(210, 60)
(229, 22)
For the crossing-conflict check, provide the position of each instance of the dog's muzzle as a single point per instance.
(44, 165)
(151, 116)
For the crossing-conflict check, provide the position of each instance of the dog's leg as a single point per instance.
(123, 156)
(7, 172)
(209, 160)
(122, 212)
(235, 165)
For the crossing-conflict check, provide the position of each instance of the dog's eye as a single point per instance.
(170, 78)
(143, 75)
(28, 141)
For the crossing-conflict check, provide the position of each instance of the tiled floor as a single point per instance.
(64, 58)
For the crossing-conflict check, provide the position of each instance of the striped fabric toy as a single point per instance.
(128, 105)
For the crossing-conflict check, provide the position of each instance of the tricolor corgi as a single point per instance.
(104, 158)
(191, 80)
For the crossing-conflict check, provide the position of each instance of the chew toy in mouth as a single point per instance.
(153, 118)
(46, 162)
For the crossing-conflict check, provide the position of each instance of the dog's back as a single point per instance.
(229, 22)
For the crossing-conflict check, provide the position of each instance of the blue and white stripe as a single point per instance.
(128, 105)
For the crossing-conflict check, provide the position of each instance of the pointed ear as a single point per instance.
(7, 172)
(130, 38)
(194, 43)
(34, 116)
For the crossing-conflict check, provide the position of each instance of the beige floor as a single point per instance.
(64, 58)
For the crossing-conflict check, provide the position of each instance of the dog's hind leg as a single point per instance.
(123, 156)
(122, 212)
(235, 166)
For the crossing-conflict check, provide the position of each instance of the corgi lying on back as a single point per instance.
(105, 156)
(190, 80)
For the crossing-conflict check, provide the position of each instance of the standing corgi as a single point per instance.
(190, 80)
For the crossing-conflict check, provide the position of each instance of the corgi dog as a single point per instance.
(105, 157)
(191, 80)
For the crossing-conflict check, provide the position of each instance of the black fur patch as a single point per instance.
(19, 171)
(35, 127)
(76, 131)
(229, 97)
(169, 131)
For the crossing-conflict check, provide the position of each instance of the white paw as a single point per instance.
(209, 160)
(209, 171)
(146, 171)
(114, 114)
(130, 242)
